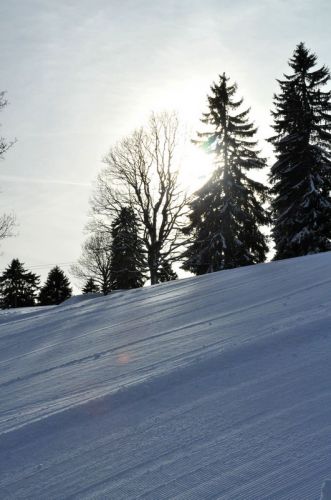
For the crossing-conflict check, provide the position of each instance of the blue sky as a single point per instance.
(81, 74)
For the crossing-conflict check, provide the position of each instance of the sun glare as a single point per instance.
(196, 167)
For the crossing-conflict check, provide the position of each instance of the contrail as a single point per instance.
(10, 178)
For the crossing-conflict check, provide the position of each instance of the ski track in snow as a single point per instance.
(216, 387)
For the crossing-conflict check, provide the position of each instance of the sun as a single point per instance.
(195, 168)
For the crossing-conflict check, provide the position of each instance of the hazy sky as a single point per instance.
(80, 74)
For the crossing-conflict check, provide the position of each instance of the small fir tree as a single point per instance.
(18, 287)
(301, 176)
(127, 256)
(90, 286)
(227, 212)
(56, 289)
(166, 273)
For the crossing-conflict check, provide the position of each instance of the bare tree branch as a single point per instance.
(7, 221)
(95, 261)
(7, 224)
(4, 144)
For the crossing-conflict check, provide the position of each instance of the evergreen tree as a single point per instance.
(90, 286)
(18, 287)
(127, 256)
(56, 289)
(166, 273)
(301, 176)
(227, 212)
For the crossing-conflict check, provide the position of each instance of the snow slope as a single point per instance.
(209, 387)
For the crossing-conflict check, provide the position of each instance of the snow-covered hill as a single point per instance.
(210, 387)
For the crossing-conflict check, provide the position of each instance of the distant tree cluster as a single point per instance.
(21, 288)
(138, 210)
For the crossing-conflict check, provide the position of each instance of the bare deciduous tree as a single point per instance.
(4, 144)
(140, 173)
(95, 261)
(7, 221)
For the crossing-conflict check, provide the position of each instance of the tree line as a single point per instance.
(21, 288)
(222, 226)
(143, 222)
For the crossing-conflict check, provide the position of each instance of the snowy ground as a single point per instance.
(205, 388)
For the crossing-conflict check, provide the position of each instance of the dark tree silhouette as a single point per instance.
(18, 287)
(140, 173)
(227, 212)
(166, 273)
(301, 176)
(56, 289)
(90, 286)
(95, 262)
(128, 262)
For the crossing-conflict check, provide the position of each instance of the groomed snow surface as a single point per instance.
(211, 387)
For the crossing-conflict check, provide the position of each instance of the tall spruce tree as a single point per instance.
(56, 289)
(127, 257)
(227, 212)
(18, 287)
(301, 176)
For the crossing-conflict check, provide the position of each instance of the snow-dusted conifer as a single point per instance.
(127, 256)
(301, 176)
(227, 212)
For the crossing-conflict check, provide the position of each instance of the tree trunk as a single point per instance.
(153, 264)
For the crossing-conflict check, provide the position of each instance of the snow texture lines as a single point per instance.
(216, 387)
